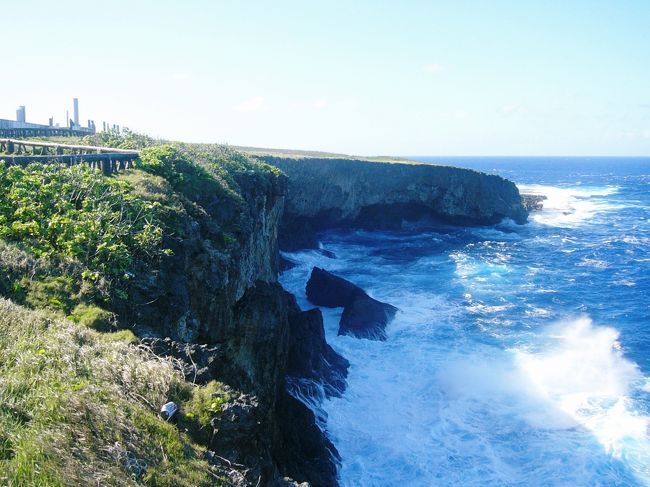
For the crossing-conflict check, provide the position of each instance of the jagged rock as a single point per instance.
(310, 356)
(196, 360)
(327, 253)
(269, 338)
(365, 317)
(326, 289)
(305, 452)
(236, 431)
(191, 294)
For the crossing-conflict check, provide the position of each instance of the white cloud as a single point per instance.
(460, 114)
(251, 105)
(434, 68)
(181, 76)
(320, 103)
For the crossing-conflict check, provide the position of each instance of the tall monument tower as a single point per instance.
(75, 102)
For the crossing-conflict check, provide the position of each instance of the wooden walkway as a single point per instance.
(23, 152)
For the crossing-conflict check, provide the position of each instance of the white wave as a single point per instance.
(584, 374)
(595, 263)
(566, 207)
(436, 405)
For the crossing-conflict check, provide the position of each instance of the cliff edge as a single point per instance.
(330, 192)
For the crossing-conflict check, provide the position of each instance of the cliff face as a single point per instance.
(192, 294)
(333, 192)
(209, 295)
(223, 293)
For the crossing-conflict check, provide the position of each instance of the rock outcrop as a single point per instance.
(310, 357)
(218, 303)
(264, 431)
(363, 316)
(192, 294)
(215, 305)
(325, 289)
(325, 193)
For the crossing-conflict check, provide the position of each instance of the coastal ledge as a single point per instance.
(326, 193)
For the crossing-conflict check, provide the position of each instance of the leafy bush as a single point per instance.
(183, 174)
(200, 405)
(56, 211)
(55, 293)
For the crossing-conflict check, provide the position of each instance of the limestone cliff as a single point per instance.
(205, 289)
(330, 192)
(216, 306)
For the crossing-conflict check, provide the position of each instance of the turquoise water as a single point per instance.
(520, 355)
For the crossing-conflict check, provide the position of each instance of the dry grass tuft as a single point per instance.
(76, 409)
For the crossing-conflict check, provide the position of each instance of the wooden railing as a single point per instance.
(108, 159)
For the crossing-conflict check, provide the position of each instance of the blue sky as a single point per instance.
(364, 77)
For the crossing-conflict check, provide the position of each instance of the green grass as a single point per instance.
(200, 405)
(79, 397)
(93, 317)
(78, 410)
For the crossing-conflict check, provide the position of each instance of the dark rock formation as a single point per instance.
(217, 300)
(327, 253)
(191, 296)
(310, 356)
(225, 318)
(196, 360)
(286, 264)
(533, 202)
(326, 193)
(264, 431)
(305, 452)
(363, 316)
(326, 289)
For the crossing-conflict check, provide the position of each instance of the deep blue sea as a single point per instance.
(521, 353)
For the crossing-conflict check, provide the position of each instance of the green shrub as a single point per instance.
(54, 293)
(193, 181)
(93, 317)
(59, 211)
(126, 336)
(201, 404)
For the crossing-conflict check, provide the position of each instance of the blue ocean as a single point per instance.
(521, 353)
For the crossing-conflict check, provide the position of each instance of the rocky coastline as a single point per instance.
(247, 332)
(325, 193)
(207, 304)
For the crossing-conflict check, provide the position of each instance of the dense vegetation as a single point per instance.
(72, 241)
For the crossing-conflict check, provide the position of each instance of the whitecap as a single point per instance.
(570, 206)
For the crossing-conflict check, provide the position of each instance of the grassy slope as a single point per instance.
(79, 407)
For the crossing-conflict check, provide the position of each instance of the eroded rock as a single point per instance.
(310, 357)
(325, 193)
(363, 316)
(326, 289)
